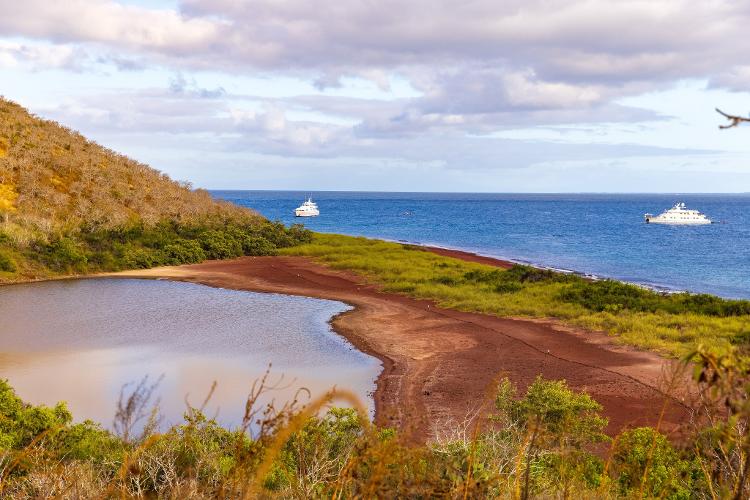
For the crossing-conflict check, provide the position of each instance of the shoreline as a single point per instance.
(506, 262)
(439, 364)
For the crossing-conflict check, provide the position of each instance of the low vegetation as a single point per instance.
(70, 206)
(672, 323)
(547, 442)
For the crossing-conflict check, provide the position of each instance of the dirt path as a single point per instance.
(439, 364)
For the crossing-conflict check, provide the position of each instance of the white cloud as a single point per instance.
(474, 69)
(42, 56)
(107, 22)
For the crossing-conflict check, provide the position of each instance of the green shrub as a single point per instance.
(528, 274)
(323, 443)
(644, 462)
(613, 296)
(566, 417)
(283, 237)
(220, 244)
(104, 260)
(184, 251)
(710, 305)
(561, 426)
(7, 264)
(134, 257)
(20, 422)
(299, 234)
(507, 287)
(446, 280)
(517, 275)
(257, 245)
(66, 255)
(88, 441)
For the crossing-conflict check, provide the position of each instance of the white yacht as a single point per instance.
(678, 214)
(307, 209)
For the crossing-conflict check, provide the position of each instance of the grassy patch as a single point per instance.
(673, 324)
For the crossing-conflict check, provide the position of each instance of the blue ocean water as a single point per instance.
(598, 234)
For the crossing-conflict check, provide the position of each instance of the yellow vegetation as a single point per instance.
(64, 181)
(8, 197)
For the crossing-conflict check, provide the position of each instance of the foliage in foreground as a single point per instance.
(547, 442)
(674, 323)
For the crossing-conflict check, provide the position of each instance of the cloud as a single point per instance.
(483, 57)
(568, 42)
(181, 85)
(736, 78)
(473, 69)
(39, 56)
(271, 132)
(108, 23)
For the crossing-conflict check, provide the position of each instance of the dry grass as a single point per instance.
(62, 181)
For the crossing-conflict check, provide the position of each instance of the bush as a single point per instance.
(66, 255)
(315, 454)
(7, 264)
(299, 234)
(220, 244)
(20, 423)
(257, 245)
(644, 461)
(561, 426)
(88, 441)
(613, 296)
(134, 257)
(508, 287)
(517, 275)
(184, 252)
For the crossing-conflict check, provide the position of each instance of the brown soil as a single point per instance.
(439, 365)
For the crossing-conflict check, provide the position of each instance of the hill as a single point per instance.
(69, 205)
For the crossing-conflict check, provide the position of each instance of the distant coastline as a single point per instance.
(600, 236)
(507, 262)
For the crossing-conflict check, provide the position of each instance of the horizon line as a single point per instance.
(711, 193)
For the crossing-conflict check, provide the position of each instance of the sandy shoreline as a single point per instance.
(439, 365)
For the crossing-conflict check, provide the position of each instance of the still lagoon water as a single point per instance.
(81, 340)
(598, 234)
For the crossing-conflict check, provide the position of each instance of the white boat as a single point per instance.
(307, 209)
(678, 215)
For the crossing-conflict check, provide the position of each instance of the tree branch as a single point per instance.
(733, 119)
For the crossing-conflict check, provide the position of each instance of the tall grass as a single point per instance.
(671, 324)
(538, 444)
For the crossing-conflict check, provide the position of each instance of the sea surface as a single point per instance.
(81, 341)
(598, 234)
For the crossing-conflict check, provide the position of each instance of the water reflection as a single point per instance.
(80, 341)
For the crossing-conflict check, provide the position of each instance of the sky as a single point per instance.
(394, 95)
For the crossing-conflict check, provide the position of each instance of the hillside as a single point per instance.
(69, 205)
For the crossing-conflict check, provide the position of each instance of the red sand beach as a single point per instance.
(439, 365)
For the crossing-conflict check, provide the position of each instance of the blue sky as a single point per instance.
(534, 96)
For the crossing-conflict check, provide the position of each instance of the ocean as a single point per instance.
(602, 235)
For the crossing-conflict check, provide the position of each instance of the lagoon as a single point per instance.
(80, 341)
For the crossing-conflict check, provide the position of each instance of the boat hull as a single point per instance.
(306, 214)
(678, 223)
